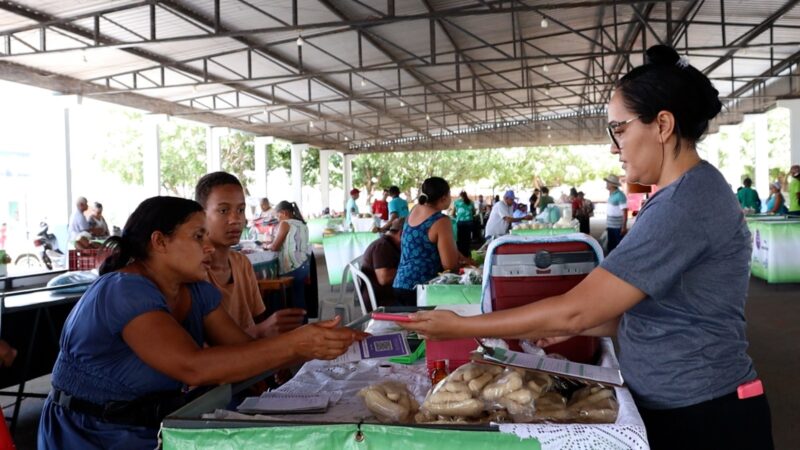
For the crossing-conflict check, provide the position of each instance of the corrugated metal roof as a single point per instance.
(559, 69)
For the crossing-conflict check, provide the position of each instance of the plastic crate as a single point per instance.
(86, 259)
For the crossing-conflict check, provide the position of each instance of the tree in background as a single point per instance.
(237, 152)
(183, 157)
(123, 154)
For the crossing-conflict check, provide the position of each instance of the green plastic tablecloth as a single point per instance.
(776, 246)
(340, 437)
(342, 248)
(453, 294)
(544, 232)
(317, 226)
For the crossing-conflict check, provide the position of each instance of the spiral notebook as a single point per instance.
(285, 403)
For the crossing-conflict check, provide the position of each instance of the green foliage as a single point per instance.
(508, 167)
(123, 153)
(280, 156)
(183, 157)
(237, 152)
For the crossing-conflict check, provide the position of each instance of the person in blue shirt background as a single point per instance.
(398, 208)
(616, 213)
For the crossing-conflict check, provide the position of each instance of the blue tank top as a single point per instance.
(419, 257)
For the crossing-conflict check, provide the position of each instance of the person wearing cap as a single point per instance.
(380, 261)
(794, 190)
(775, 202)
(351, 209)
(616, 213)
(502, 216)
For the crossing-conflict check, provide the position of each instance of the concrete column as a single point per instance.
(794, 128)
(733, 163)
(262, 144)
(761, 181)
(324, 177)
(347, 177)
(68, 165)
(152, 155)
(213, 150)
(297, 173)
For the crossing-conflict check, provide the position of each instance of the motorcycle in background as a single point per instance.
(49, 250)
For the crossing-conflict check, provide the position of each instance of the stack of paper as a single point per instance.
(285, 403)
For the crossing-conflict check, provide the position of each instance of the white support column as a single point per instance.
(213, 150)
(347, 177)
(324, 177)
(297, 173)
(794, 128)
(68, 164)
(761, 181)
(262, 144)
(733, 164)
(152, 155)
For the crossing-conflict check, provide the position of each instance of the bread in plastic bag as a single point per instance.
(594, 404)
(390, 402)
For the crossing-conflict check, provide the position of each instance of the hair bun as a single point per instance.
(661, 55)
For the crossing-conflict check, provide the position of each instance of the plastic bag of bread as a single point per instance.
(480, 392)
(594, 404)
(552, 407)
(458, 396)
(390, 402)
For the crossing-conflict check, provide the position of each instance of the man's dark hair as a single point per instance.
(545, 190)
(211, 180)
(747, 182)
(394, 191)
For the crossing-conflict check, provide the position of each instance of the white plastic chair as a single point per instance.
(342, 289)
(358, 278)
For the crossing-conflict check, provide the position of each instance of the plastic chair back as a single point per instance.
(358, 278)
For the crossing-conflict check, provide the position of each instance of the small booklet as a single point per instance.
(554, 366)
(285, 403)
(376, 346)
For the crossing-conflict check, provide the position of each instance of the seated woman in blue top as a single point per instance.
(135, 340)
(427, 246)
(674, 290)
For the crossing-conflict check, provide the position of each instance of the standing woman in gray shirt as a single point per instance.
(674, 290)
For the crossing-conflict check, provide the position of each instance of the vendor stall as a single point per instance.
(209, 422)
(776, 244)
(317, 227)
(342, 248)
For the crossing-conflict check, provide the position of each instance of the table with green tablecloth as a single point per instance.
(776, 246)
(448, 294)
(342, 248)
(316, 227)
(543, 231)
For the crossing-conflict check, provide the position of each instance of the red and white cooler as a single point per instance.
(525, 269)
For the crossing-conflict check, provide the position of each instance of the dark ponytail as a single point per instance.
(163, 214)
(293, 209)
(465, 198)
(433, 189)
(666, 82)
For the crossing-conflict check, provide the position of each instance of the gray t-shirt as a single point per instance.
(689, 251)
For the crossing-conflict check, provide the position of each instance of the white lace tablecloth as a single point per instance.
(319, 376)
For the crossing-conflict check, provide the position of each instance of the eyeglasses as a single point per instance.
(612, 128)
